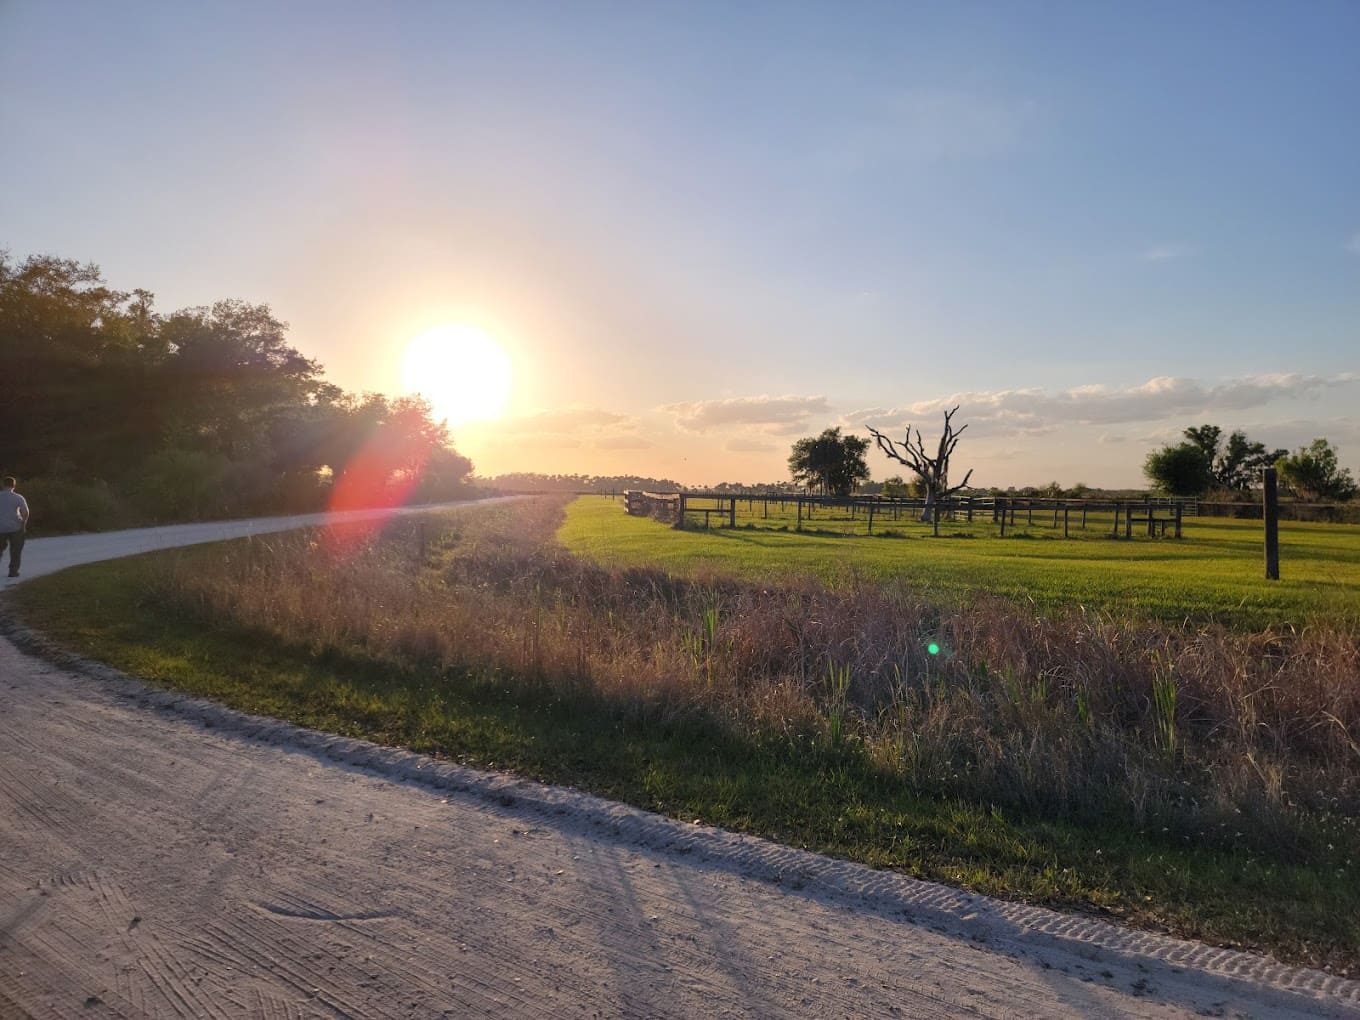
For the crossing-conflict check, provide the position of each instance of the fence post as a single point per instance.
(1065, 511)
(1003, 517)
(1179, 508)
(799, 526)
(732, 514)
(1270, 497)
(680, 514)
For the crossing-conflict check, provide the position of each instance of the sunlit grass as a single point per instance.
(1216, 572)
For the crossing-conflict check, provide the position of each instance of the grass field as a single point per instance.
(1190, 777)
(1214, 573)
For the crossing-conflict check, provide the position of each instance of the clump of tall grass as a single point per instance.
(1205, 733)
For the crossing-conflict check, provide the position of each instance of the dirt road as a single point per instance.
(162, 856)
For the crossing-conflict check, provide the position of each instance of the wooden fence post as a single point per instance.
(1270, 496)
(732, 514)
(1065, 522)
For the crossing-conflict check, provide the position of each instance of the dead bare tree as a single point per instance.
(933, 471)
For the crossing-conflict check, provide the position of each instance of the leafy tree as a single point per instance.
(897, 487)
(1240, 463)
(231, 372)
(1236, 465)
(1205, 437)
(201, 412)
(831, 463)
(1185, 470)
(59, 330)
(1313, 472)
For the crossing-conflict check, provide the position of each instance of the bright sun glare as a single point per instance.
(460, 370)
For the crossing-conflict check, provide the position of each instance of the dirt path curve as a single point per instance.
(164, 856)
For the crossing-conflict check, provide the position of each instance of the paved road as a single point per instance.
(162, 856)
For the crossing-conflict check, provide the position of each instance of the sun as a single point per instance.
(460, 370)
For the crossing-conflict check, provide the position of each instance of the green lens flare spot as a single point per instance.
(933, 648)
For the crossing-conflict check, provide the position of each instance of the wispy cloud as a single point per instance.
(1034, 411)
(771, 414)
(563, 421)
(742, 445)
(630, 441)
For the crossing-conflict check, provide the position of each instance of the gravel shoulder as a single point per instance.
(165, 856)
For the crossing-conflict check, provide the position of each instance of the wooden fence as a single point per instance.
(1151, 517)
(662, 506)
(1324, 513)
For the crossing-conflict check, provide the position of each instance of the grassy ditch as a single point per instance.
(1193, 778)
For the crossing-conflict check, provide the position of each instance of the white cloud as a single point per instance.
(1035, 411)
(771, 414)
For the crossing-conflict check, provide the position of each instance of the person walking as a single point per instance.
(13, 523)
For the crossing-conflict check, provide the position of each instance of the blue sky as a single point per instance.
(703, 230)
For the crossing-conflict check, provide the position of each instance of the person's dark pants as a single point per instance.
(15, 541)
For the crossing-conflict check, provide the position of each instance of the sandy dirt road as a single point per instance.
(163, 856)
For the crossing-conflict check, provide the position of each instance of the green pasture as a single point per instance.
(1214, 573)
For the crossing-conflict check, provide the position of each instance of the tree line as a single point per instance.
(1203, 461)
(533, 481)
(834, 464)
(115, 413)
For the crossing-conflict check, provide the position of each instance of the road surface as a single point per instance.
(163, 856)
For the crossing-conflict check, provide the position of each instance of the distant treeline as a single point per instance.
(530, 481)
(113, 413)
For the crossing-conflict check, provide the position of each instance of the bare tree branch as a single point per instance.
(933, 471)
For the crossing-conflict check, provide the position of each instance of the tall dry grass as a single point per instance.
(1211, 734)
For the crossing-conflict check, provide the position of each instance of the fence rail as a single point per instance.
(664, 507)
(1152, 517)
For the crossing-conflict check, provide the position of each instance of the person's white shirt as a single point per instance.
(13, 511)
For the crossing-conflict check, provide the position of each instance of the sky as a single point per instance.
(701, 231)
